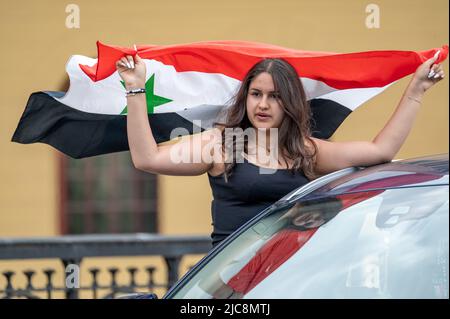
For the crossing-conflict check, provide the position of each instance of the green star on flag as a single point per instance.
(153, 100)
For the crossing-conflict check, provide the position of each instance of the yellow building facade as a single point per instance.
(38, 38)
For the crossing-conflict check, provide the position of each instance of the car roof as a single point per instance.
(416, 172)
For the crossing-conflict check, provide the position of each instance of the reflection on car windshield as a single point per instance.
(375, 244)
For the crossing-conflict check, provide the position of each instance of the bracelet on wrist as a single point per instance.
(134, 92)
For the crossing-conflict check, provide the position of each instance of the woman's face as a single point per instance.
(263, 104)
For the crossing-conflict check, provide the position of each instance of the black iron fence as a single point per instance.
(72, 249)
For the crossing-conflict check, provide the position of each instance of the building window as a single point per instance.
(106, 194)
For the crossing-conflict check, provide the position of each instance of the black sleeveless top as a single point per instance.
(249, 190)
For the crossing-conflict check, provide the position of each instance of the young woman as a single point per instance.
(272, 101)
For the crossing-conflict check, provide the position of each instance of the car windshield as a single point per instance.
(375, 244)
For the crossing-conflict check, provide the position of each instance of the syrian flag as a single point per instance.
(189, 85)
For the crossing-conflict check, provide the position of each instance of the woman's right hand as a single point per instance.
(133, 77)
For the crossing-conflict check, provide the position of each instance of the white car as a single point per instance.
(376, 232)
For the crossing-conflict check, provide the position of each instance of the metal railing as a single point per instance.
(72, 249)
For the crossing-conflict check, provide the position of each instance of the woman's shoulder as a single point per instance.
(311, 143)
(215, 150)
(213, 136)
(215, 132)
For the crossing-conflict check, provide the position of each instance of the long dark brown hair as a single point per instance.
(296, 125)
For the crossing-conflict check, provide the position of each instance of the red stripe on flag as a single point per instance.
(235, 58)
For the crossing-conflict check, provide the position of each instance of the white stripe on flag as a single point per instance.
(194, 95)
(353, 98)
(185, 89)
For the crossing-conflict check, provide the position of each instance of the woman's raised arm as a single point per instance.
(193, 155)
(332, 156)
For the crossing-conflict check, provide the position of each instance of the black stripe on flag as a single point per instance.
(81, 134)
(327, 116)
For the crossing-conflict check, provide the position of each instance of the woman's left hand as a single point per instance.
(421, 81)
